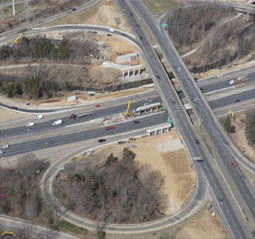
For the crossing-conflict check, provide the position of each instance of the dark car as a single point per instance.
(72, 116)
(101, 140)
(14, 108)
(74, 9)
(197, 141)
(121, 142)
(237, 100)
(220, 201)
(136, 121)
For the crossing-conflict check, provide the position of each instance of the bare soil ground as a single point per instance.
(201, 226)
(6, 115)
(159, 5)
(104, 13)
(165, 153)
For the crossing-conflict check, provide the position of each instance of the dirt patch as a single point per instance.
(239, 138)
(160, 5)
(202, 226)
(171, 162)
(6, 115)
(105, 13)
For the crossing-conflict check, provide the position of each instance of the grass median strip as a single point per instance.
(71, 227)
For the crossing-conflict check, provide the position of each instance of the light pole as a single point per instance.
(13, 7)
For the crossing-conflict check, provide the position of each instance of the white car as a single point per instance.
(57, 122)
(219, 75)
(1, 151)
(38, 117)
(29, 124)
(231, 82)
(111, 30)
(4, 146)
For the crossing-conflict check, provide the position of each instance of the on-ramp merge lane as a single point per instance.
(235, 226)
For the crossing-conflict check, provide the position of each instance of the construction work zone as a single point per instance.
(159, 130)
(127, 112)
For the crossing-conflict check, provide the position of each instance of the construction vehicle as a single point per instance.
(7, 233)
(231, 114)
(17, 39)
(169, 121)
(127, 112)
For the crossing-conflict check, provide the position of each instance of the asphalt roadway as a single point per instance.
(213, 84)
(188, 210)
(104, 112)
(235, 225)
(20, 226)
(128, 126)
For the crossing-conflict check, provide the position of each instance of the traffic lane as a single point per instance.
(179, 68)
(227, 75)
(226, 83)
(84, 135)
(232, 99)
(203, 112)
(100, 113)
(240, 185)
(183, 126)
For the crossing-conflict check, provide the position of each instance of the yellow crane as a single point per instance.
(231, 113)
(7, 233)
(17, 39)
(127, 112)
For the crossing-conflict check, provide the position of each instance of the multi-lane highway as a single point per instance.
(29, 146)
(235, 225)
(107, 110)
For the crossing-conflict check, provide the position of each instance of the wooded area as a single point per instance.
(250, 127)
(43, 48)
(119, 191)
(39, 81)
(226, 37)
(20, 190)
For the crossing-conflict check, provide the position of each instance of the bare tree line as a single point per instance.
(20, 191)
(231, 40)
(120, 191)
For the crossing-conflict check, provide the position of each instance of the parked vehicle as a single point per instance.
(4, 146)
(57, 122)
(1, 151)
